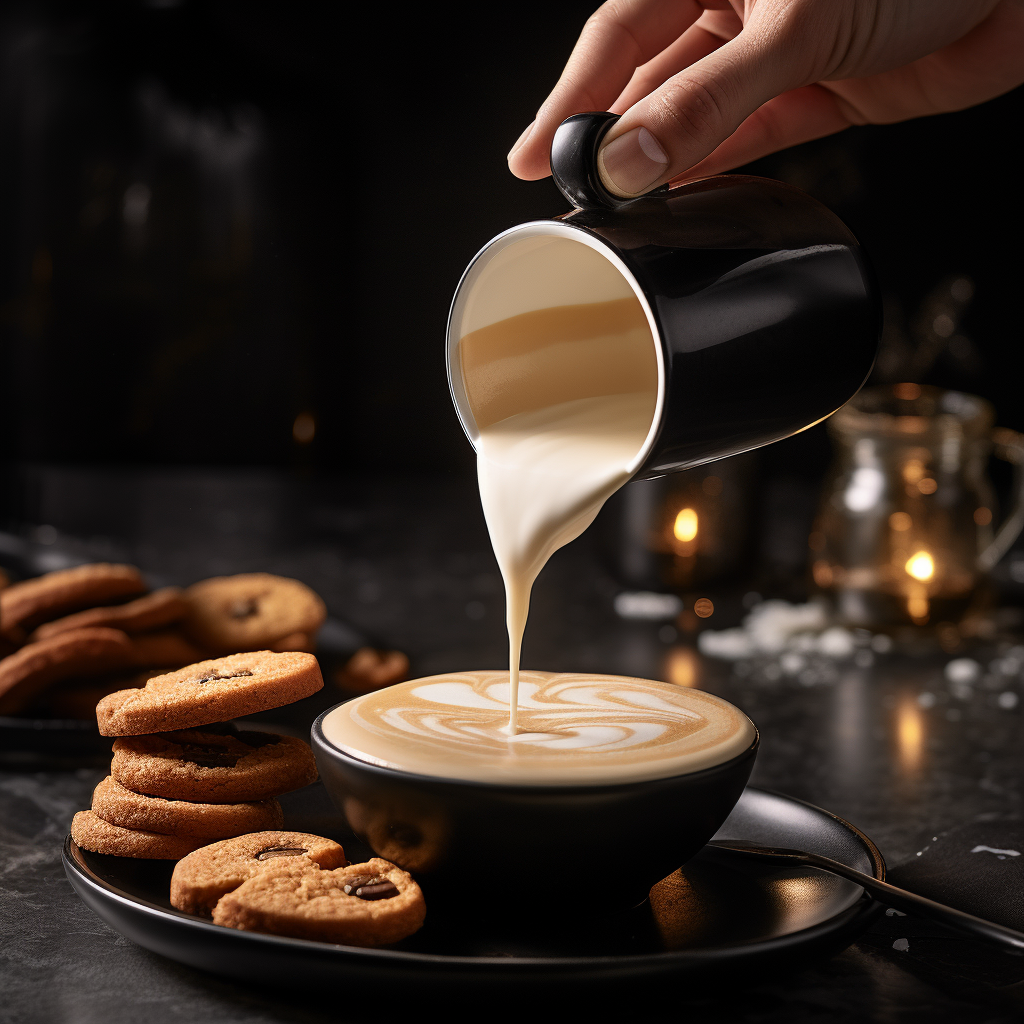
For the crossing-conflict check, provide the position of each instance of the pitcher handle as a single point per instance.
(1008, 445)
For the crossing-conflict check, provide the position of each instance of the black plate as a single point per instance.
(52, 738)
(722, 911)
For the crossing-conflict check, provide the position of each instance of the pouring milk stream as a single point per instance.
(564, 394)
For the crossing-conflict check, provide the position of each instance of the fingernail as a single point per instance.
(521, 141)
(632, 163)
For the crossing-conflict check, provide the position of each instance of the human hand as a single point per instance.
(707, 85)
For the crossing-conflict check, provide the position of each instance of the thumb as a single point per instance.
(687, 117)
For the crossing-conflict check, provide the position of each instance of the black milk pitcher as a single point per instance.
(761, 302)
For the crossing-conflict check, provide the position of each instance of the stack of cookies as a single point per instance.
(69, 638)
(182, 775)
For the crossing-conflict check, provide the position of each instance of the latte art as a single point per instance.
(574, 729)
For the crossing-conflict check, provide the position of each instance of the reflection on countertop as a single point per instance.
(922, 759)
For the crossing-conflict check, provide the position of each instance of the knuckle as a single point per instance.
(611, 19)
(695, 108)
(609, 14)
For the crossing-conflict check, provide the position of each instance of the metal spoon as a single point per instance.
(1011, 941)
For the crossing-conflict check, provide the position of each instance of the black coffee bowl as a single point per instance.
(548, 849)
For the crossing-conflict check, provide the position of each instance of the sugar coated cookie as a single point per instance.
(196, 764)
(203, 877)
(160, 608)
(210, 691)
(371, 904)
(120, 806)
(251, 611)
(91, 832)
(79, 652)
(27, 604)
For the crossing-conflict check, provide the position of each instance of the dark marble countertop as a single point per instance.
(927, 766)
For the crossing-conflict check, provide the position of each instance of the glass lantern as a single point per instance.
(681, 531)
(904, 533)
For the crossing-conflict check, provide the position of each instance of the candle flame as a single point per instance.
(909, 734)
(900, 521)
(921, 566)
(685, 527)
(304, 428)
(917, 608)
(682, 666)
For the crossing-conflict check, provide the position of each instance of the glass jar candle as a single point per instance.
(904, 533)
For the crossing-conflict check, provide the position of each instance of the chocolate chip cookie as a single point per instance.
(78, 652)
(165, 648)
(77, 698)
(27, 604)
(161, 608)
(120, 806)
(91, 832)
(250, 612)
(203, 877)
(295, 642)
(210, 691)
(410, 835)
(369, 669)
(213, 767)
(371, 904)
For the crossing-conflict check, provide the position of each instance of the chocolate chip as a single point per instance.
(208, 756)
(214, 755)
(354, 883)
(251, 738)
(244, 609)
(371, 887)
(280, 851)
(234, 675)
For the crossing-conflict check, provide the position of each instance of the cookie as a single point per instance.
(77, 698)
(371, 904)
(408, 835)
(79, 652)
(210, 691)
(203, 877)
(195, 764)
(91, 832)
(250, 612)
(161, 608)
(369, 669)
(27, 604)
(294, 642)
(119, 806)
(165, 648)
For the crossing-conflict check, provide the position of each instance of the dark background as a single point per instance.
(216, 216)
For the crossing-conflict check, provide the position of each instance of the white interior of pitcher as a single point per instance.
(547, 314)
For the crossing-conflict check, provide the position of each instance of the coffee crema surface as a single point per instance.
(574, 729)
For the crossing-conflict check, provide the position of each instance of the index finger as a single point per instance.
(617, 38)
